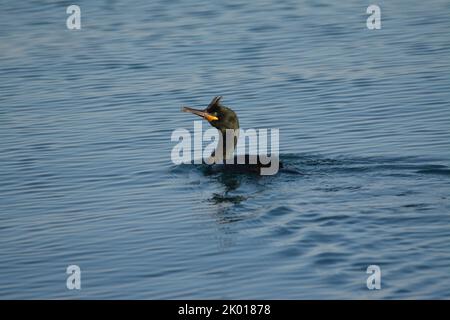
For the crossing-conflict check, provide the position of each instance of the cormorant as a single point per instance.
(226, 122)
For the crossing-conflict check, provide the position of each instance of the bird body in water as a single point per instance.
(226, 122)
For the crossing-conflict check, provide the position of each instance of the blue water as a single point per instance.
(86, 176)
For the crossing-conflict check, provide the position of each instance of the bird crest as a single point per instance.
(215, 102)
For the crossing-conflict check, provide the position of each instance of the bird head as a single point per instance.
(217, 115)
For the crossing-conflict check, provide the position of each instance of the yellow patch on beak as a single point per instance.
(210, 117)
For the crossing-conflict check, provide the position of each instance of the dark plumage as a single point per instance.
(223, 118)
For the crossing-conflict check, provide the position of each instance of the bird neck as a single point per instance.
(227, 144)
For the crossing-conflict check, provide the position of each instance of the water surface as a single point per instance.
(86, 176)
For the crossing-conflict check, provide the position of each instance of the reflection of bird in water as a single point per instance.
(224, 119)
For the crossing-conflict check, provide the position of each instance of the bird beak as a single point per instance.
(200, 113)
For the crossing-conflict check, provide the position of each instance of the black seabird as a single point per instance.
(225, 121)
